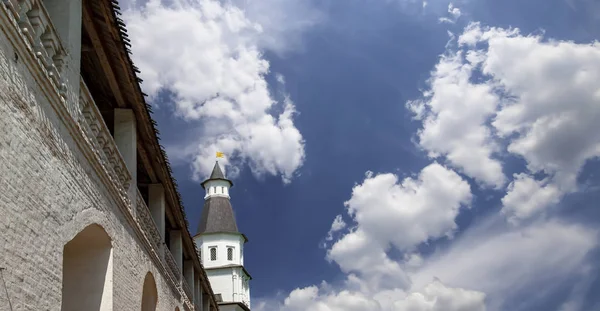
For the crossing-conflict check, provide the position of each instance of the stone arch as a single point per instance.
(149, 293)
(87, 271)
(82, 220)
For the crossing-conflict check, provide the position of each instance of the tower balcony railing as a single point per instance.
(98, 137)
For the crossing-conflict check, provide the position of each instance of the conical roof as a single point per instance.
(217, 216)
(217, 174)
(217, 213)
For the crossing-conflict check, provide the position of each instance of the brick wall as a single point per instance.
(48, 193)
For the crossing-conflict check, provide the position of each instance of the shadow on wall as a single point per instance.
(87, 271)
(149, 294)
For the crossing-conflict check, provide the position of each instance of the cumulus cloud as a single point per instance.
(212, 64)
(494, 93)
(399, 214)
(435, 297)
(454, 112)
(408, 212)
(553, 105)
(527, 197)
(536, 97)
(488, 268)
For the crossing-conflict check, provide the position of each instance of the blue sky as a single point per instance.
(453, 143)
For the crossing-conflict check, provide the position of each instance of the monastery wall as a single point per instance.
(49, 192)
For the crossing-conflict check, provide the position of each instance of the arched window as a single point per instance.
(213, 253)
(149, 293)
(230, 253)
(87, 271)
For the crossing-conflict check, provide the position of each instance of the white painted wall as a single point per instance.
(88, 271)
(221, 241)
(53, 192)
(217, 188)
(229, 283)
(232, 282)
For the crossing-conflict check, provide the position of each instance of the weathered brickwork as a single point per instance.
(49, 192)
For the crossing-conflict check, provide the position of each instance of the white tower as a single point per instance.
(221, 245)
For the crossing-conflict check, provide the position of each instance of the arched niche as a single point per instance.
(87, 271)
(149, 293)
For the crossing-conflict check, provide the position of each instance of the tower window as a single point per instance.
(213, 253)
(230, 253)
(222, 189)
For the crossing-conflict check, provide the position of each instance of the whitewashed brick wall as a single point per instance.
(48, 193)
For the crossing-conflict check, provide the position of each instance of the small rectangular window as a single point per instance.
(213, 253)
(230, 253)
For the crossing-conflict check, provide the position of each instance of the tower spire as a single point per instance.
(217, 174)
(217, 213)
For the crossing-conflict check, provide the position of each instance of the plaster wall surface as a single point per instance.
(228, 283)
(231, 282)
(50, 193)
(217, 188)
(221, 241)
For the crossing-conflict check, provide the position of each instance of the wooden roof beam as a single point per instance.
(89, 26)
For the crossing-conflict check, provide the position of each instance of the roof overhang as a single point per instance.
(224, 179)
(241, 305)
(223, 232)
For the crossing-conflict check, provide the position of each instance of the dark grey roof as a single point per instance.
(217, 174)
(217, 216)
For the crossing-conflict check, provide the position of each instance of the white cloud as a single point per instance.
(454, 13)
(489, 267)
(505, 263)
(283, 22)
(454, 112)
(437, 297)
(500, 87)
(212, 63)
(421, 208)
(337, 225)
(553, 109)
(389, 213)
(527, 197)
